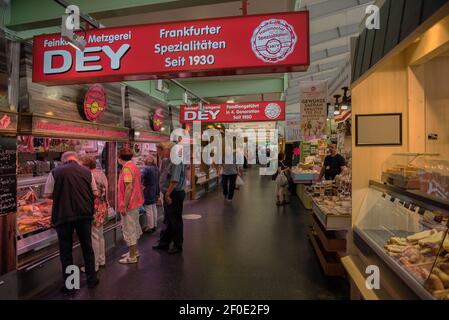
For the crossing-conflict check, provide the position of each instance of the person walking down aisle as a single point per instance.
(150, 182)
(72, 188)
(229, 173)
(130, 199)
(173, 184)
(100, 211)
(280, 177)
(333, 165)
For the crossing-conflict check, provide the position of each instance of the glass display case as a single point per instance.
(409, 233)
(401, 169)
(433, 176)
(36, 158)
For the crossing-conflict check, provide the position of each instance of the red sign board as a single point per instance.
(223, 46)
(234, 112)
(95, 102)
(157, 119)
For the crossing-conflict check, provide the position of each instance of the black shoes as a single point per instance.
(159, 247)
(68, 292)
(174, 250)
(93, 284)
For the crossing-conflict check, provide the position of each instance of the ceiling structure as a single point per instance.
(332, 24)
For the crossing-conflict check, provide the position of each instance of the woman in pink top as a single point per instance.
(130, 199)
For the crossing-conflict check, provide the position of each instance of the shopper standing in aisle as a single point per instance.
(130, 199)
(282, 182)
(229, 173)
(333, 165)
(100, 213)
(150, 182)
(173, 184)
(72, 188)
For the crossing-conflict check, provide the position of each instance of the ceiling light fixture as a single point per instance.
(230, 100)
(337, 104)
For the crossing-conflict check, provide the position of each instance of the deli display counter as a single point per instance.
(407, 230)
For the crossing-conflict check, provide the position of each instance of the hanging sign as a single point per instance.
(313, 109)
(157, 119)
(95, 102)
(222, 46)
(234, 112)
(293, 129)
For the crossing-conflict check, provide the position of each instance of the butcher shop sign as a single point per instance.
(95, 102)
(234, 112)
(221, 46)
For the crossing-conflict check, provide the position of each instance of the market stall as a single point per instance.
(401, 175)
(8, 180)
(53, 120)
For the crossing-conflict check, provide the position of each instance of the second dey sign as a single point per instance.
(222, 46)
(234, 112)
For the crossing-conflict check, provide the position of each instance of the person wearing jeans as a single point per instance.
(150, 182)
(101, 211)
(229, 173)
(72, 188)
(130, 199)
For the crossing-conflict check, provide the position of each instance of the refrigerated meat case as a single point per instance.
(36, 239)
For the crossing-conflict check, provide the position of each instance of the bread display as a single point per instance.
(426, 256)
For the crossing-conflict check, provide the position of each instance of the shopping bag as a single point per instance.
(282, 180)
(239, 182)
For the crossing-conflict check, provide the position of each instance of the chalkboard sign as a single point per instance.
(8, 151)
(8, 192)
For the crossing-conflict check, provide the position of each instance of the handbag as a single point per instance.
(282, 180)
(239, 182)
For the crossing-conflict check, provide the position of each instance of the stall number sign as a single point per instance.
(234, 112)
(222, 46)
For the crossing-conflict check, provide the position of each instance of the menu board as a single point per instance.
(8, 151)
(8, 192)
(8, 180)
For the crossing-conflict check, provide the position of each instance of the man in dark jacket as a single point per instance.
(150, 182)
(72, 188)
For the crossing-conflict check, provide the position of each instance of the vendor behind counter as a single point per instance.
(333, 164)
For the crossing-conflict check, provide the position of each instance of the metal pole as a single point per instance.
(244, 7)
(83, 16)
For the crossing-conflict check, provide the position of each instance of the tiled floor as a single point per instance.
(249, 249)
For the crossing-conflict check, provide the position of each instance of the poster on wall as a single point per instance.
(313, 109)
(293, 129)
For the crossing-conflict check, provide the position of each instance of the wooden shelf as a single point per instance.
(328, 238)
(330, 262)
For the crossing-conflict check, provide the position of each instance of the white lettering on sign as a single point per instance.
(81, 59)
(201, 115)
(48, 58)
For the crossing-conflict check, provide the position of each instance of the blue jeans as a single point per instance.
(228, 183)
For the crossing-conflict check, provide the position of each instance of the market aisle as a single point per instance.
(249, 249)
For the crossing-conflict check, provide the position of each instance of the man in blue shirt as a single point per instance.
(173, 182)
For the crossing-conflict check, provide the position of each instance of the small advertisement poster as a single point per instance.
(293, 129)
(313, 109)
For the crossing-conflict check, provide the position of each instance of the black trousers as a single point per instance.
(174, 227)
(228, 183)
(83, 229)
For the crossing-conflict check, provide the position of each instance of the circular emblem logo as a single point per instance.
(157, 119)
(94, 102)
(273, 111)
(273, 40)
